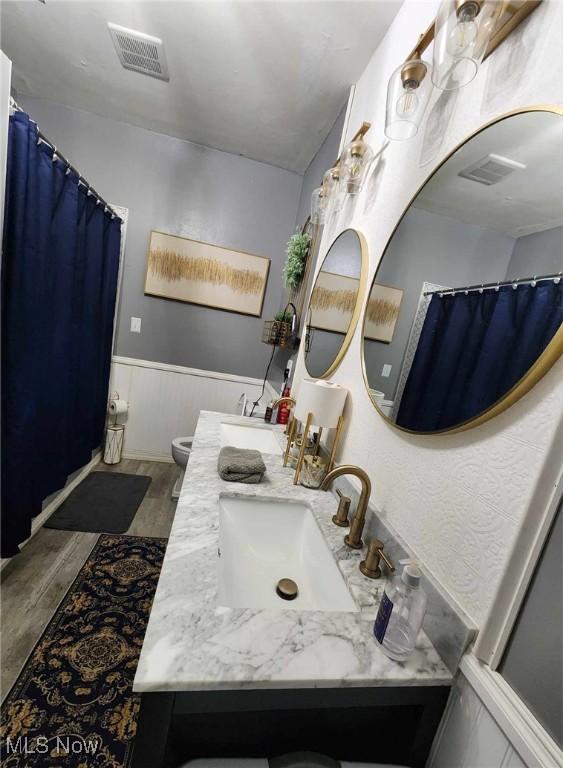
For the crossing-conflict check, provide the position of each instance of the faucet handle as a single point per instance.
(386, 559)
(341, 516)
(370, 566)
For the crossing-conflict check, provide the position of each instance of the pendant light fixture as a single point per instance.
(355, 159)
(344, 178)
(408, 94)
(332, 187)
(318, 206)
(462, 34)
(331, 180)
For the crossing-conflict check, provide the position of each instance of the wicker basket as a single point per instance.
(276, 332)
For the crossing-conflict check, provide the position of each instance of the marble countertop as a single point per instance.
(194, 643)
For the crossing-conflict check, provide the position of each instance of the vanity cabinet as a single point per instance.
(378, 725)
(233, 673)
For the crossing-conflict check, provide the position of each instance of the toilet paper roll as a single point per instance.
(117, 407)
(323, 399)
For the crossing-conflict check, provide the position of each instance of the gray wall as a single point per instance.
(189, 190)
(537, 254)
(431, 248)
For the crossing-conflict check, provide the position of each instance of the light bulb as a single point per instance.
(407, 104)
(464, 33)
(355, 168)
(462, 37)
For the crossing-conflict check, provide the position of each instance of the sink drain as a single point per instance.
(287, 589)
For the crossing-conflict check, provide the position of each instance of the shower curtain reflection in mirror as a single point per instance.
(473, 348)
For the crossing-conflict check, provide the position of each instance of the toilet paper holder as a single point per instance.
(117, 407)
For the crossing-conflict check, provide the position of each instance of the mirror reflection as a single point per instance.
(333, 308)
(468, 296)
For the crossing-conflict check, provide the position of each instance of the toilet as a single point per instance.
(181, 448)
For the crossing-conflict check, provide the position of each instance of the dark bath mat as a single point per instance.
(104, 502)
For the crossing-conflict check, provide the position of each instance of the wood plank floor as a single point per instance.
(35, 581)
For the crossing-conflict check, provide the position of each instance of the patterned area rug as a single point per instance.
(72, 705)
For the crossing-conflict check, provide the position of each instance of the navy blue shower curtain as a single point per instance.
(475, 347)
(60, 263)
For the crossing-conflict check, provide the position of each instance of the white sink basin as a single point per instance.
(240, 436)
(262, 541)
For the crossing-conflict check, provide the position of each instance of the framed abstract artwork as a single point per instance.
(199, 273)
(333, 301)
(382, 312)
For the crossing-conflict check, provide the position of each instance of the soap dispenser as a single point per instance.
(401, 612)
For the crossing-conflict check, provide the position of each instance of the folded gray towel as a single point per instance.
(240, 465)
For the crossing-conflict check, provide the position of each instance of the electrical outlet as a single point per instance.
(386, 371)
(135, 325)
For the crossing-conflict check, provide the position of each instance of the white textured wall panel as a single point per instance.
(457, 500)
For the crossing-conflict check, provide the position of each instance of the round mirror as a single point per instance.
(335, 303)
(465, 311)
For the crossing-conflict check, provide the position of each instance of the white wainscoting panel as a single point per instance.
(165, 401)
(487, 725)
(470, 738)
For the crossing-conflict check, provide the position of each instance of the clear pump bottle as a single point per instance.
(401, 612)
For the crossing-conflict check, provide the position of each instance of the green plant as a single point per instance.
(297, 249)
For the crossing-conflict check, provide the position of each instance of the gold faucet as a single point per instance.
(353, 539)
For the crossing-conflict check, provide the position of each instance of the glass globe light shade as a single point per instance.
(318, 206)
(462, 34)
(354, 162)
(408, 93)
(331, 180)
(333, 188)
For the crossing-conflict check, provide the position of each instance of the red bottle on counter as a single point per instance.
(283, 410)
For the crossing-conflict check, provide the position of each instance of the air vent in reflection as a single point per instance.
(491, 169)
(139, 52)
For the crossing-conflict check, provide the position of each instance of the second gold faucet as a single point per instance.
(353, 538)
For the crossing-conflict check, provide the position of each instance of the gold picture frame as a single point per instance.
(207, 275)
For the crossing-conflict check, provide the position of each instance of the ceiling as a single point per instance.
(528, 200)
(262, 79)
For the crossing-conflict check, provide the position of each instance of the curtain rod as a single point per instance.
(497, 284)
(56, 153)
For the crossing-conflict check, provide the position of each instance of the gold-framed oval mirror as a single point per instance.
(465, 312)
(335, 303)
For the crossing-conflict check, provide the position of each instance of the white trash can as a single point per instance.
(114, 443)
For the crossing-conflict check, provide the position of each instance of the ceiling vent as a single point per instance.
(491, 169)
(139, 52)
